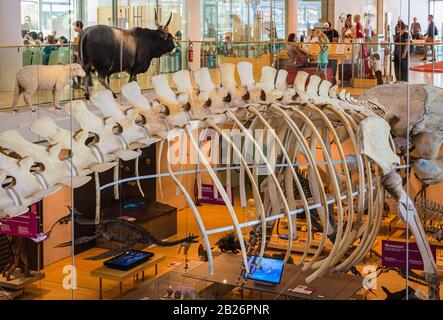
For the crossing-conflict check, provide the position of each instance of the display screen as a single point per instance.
(268, 270)
(129, 259)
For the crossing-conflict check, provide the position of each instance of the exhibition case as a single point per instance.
(221, 168)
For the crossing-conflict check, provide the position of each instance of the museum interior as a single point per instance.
(221, 150)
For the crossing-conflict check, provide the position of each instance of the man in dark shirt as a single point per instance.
(429, 37)
(401, 52)
(330, 32)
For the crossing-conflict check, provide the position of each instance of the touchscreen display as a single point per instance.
(268, 270)
(129, 259)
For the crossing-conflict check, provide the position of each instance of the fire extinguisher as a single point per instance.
(191, 52)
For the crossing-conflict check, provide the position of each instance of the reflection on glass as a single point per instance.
(309, 14)
(244, 20)
(97, 12)
(48, 16)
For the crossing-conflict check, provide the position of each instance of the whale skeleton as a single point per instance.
(344, 143)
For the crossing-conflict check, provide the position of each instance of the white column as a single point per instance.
(194, 30)
(10, 26)
(292, 16)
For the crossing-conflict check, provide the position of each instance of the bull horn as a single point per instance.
(157, 23)
(165, 28)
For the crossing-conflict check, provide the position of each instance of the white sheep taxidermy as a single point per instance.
(30, 79)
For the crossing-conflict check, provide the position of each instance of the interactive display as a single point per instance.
(268, 270)
(129, 260)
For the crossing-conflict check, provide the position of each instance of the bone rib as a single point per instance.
(294, 175)
(275, 180)
(223, 194)
(293, 126)
(336, 190)
(255, 189)
(194, 212)
(335, 255)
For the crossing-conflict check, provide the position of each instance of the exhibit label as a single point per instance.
(208, 196)
(26, 226)
(394, 255)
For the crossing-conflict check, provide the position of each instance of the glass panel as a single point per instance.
(236, 31)
(30, 15)
(97, 12)
(243, 20)
(309, 15)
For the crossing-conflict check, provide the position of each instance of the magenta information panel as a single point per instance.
(26, 226)
(208, 196)
(394, 255)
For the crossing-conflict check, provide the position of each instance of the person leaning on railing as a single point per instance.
(296, 54)
(429, 38)
(416, 30)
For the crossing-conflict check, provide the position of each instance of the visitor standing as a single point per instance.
(415, 30)
(401, 63)
(323, 54)
(347, 32)
(429, 38)
(358, 29)
(330, 32)
(78, 28)
(360, 36)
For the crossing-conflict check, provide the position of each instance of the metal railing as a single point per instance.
(346, 66)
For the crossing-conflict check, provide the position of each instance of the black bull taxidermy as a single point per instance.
(110, 50)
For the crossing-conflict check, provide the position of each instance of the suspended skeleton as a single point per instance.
(344, 143)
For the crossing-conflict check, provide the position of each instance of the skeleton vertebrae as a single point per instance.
(344, 143)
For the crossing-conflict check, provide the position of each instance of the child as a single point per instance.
(323, 54)
(377, 68)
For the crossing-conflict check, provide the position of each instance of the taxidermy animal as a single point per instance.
(30, 79)
(202, 253)
(18, 258)
(229, 242)
(111, 50)
(122, 231)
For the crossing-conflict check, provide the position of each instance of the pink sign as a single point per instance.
(394, 255)
(208, 196)
(25, 226)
